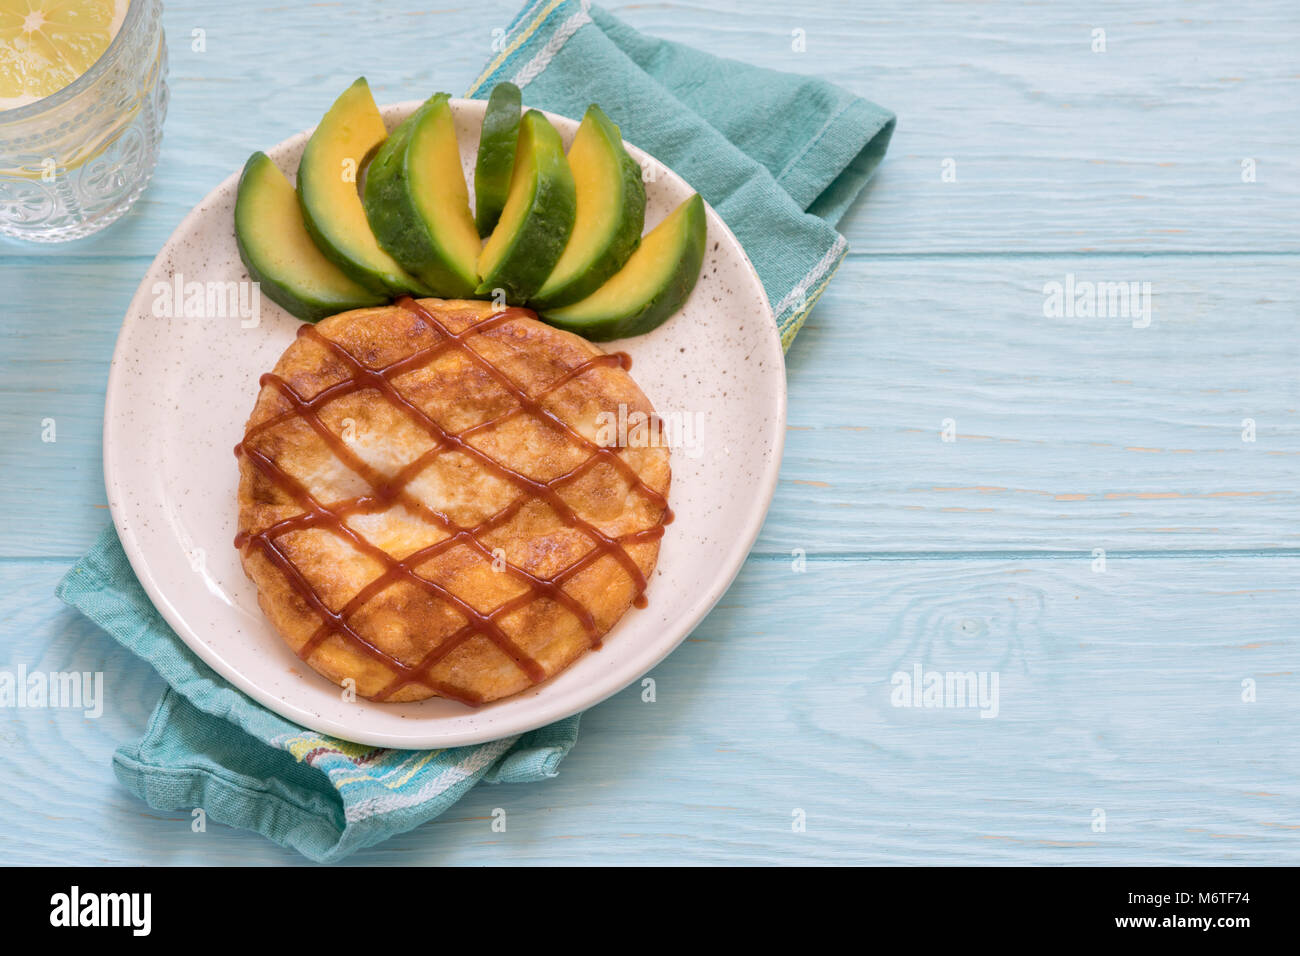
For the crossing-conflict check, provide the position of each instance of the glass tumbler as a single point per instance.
(75, 161)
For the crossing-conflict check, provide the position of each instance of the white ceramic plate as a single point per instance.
(180, 390)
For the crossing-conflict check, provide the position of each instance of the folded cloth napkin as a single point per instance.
(779, 157)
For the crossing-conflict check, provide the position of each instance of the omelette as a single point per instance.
(430, 506)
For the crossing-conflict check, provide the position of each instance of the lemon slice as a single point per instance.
(46, 44)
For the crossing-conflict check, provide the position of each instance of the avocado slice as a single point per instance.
(537, 218)
(610, 213)
(328, 176)
(280, 255)
(496, 155)
(418, 206)
(653, 285)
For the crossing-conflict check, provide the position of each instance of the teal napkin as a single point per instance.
(209, 746)
(779, 157)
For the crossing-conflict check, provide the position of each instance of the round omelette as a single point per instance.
(432, 500)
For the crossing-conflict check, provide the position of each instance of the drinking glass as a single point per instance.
(75, 161)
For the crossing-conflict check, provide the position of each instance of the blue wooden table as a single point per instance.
(1100, 510)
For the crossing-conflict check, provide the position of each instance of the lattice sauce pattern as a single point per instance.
(384, 491)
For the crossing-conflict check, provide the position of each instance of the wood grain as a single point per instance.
(1119, 691)
(1056, 148)
(1071, 433)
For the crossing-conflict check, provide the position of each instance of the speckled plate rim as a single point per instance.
(530, 709)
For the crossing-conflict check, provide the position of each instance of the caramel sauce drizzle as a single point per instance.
(385, 492)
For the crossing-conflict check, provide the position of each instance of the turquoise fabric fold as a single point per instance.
(779, 157)
(207, 745)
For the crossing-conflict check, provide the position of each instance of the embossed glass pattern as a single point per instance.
(75, 161)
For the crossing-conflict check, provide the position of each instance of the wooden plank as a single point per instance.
(1119, 692)
(1055, 147)
(57, 343)
(1071, 433)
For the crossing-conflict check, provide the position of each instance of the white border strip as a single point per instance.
(809, 281)
(483, 756)
(534, 67)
